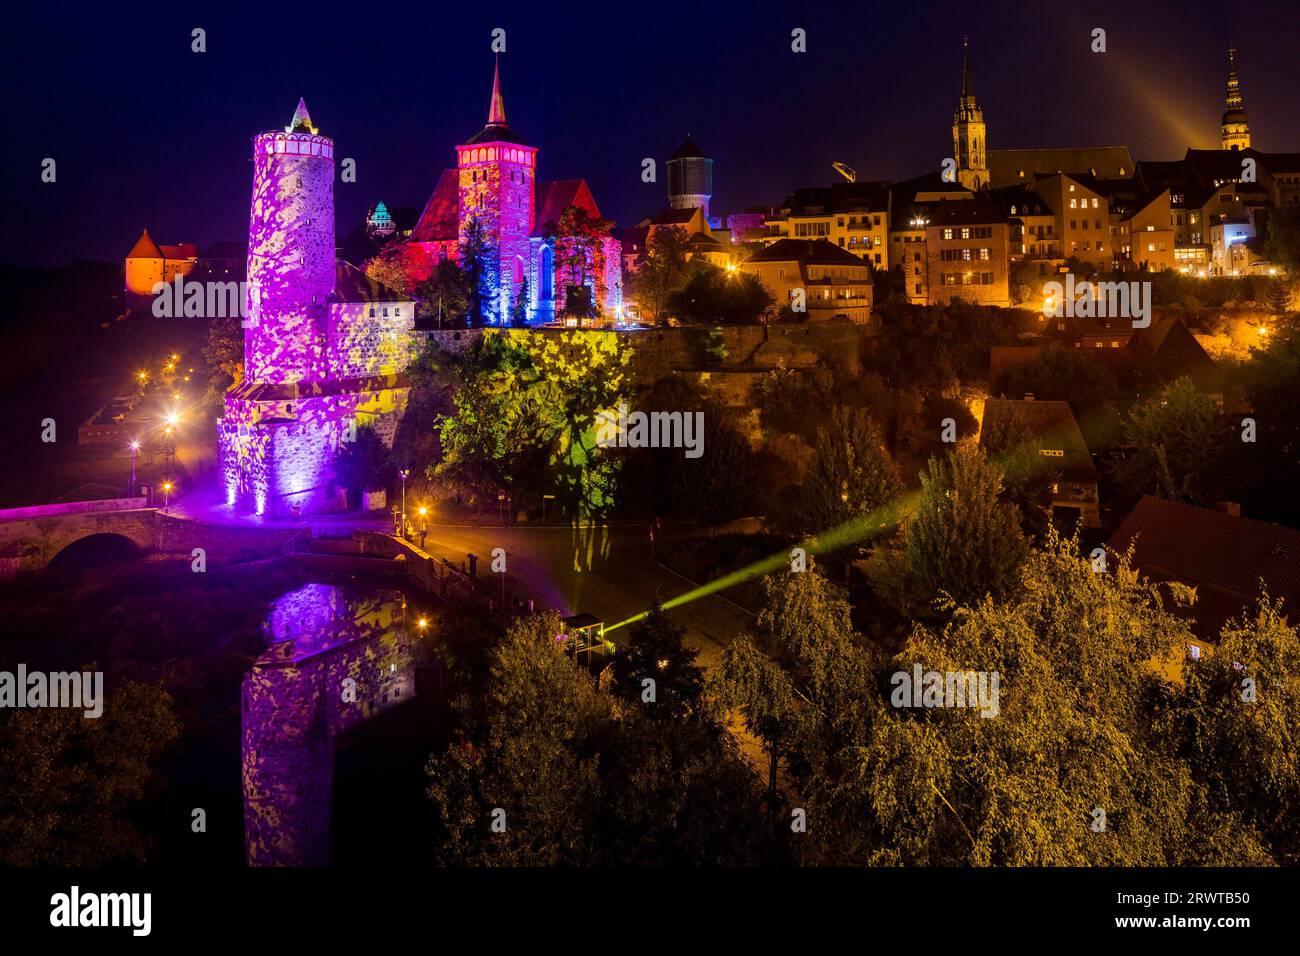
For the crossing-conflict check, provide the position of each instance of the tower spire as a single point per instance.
(497, 109)
(301, 122)
(1235, 128)
(1234, 101)
(966, 91)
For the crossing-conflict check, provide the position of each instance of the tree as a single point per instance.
(1279, 297)
(1237, 720)
(1063, 375)
(664, 270)
(964, 541)
(1027, 480)
(1176, 447)
(851, 474)
(579, 250)
(67, 783)
(655, 651)
(223, 355)
(400, 265)
(446, 294)
(800, 681)
(528, 761)
(1271, 384)
(1025, 282)
(1282, 244)
(526, 415)
(1067, 771)
(480, 262)
(715, 296)
(519, 309)
(573, 775)
(724, 483)
(365, 463)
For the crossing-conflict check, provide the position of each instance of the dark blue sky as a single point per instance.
(147, 133)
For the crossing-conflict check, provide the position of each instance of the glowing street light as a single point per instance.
(135, 447)
(424, 514)
(167, 499)
(405, 473)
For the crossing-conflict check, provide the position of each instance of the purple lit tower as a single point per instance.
(325, 347)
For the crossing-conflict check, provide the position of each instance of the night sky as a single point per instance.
(147, 133)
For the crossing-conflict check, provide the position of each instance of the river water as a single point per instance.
(337, 657)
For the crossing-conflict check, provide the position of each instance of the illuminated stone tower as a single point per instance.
(324, 348)
(1235, 129)
(968, 132)
(497, 170)
(290, 253)
(690, 178)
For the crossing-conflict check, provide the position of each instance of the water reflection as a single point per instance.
(336, 655)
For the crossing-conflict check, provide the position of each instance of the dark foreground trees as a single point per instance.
(549, 769)
(1089, 738)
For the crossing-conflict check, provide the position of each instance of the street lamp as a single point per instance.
(135, 447)
(405, 473)
(423, 512)
(167, 496)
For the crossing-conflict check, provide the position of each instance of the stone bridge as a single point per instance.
(31, 538)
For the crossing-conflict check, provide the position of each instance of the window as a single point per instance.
(965, 233)
(947, 234)
(1094, 203)
(1074, 203)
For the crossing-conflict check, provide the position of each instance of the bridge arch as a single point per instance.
(94, 550)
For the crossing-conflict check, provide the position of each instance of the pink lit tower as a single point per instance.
(320, 352)
(498, 183)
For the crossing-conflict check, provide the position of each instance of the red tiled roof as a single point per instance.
(144, 248)
(555, 197)
(439, 220)
(1225, 557)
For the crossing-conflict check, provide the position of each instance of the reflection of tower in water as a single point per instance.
(297, 698)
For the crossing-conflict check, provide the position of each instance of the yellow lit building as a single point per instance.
(827, 280)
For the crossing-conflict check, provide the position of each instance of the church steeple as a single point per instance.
(968, 131)
(967, 93)
(1235, 129)
(497, 108)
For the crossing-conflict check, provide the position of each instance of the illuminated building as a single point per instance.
(494, 189)
(834, 282)
(380, 222)
(968, 135)
(967, 253)
(690, 178)
(853, 216)
(148, 263)
(325, 347)
(1235, 130)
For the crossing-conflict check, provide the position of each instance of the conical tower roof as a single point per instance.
(497, 108)
(145, 248)
(688, 150)
(496, 130)
(301, 122)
